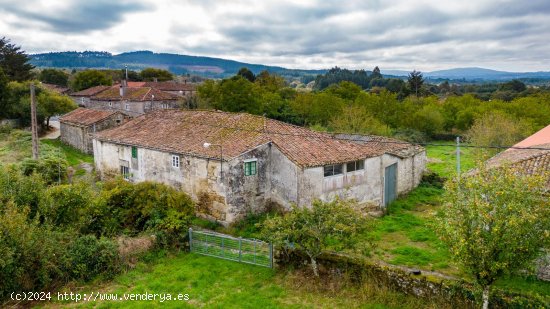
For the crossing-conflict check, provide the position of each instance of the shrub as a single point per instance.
(52, 169)
(90, 257)
(67, 205)
(22, 190)
(146, 206)
(32, 255)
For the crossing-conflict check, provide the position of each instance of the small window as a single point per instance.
(110, 104)
(334, 169)
(127, 107)
(250, 168)
(355, 166)
(125, 171)
(175, 161)
(134, 152)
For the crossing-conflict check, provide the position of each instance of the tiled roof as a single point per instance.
(185, 132)
(136, 94)
(171, 86)
(90, 91)
(85, 116)
(529, 161)
(383, 144)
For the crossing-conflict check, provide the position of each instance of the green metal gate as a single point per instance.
(390, 184)
(250, 251)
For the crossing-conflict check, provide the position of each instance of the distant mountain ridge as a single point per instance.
(474, 73)
(218, 67)
(178, 64)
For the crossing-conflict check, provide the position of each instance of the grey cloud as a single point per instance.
(78, 17)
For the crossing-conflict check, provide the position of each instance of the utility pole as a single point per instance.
(34, 124)
(458, 157)
(126, 67)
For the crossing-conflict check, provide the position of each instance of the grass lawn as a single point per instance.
(16, 146)
(216, 283)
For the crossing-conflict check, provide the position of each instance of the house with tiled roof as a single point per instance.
(235, 163)
(530, 156)
(82, 97)
(77, 125)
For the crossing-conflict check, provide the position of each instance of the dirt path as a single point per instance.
(54, 131)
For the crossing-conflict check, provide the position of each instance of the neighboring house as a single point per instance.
(534, 161)
(182, 89)
(529, 161)
(133, 101)
(264, 161)
(82, 98)
(77, 125)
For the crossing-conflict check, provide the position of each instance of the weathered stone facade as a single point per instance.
(76, 132)
(277, 179)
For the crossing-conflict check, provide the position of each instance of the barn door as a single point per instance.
(390, 184)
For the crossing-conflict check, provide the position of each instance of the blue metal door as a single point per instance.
(390, 184)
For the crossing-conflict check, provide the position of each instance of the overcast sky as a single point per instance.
(393, 34)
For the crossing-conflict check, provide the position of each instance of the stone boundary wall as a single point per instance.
(458, 294)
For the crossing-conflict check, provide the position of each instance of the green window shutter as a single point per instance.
(250, 168)
(134, 152)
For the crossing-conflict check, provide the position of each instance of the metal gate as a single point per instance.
(390, 184)
(250, 251)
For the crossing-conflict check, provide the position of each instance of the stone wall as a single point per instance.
(458, 294)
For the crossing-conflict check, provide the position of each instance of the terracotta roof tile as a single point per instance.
(85, 116)
(185, 132)
(138, 94)
(171, 86)
(90, 91)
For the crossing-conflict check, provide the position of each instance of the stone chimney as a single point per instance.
(123, 85)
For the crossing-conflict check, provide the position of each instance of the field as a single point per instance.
(216, 283)
(16, 146)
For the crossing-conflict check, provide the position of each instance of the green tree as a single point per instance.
(316, 228)
(415, 81)
(150, 74)
(4, 94)
(344, 90)
(497, 129)
(246, 73)
(51, 104)
(90, 78)
(54, 76)
(376, 73)
(14, 62)
(357, 119)
(495, 222)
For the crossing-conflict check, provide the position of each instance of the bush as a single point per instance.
(32, 255)
(52, 169)
(90, 257)
(411, 135)
(67, 205)
(22, 190)
(146, 206)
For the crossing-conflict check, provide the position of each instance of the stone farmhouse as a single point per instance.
(529, 161)
(234, 163)
(76, 126)
(132, 98)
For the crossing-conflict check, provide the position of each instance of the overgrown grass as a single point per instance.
(16, 145)
(73, 156)
(442, 159)
(216, 283)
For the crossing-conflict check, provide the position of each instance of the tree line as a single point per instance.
(346, 107)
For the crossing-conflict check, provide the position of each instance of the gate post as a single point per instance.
(190, 239)
(271, 255)
(240, 248)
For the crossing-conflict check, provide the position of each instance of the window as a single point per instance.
(127, 107)
(355, 166)
(125, 171)
(331, 170)
(134, 152)
(110, 104)
(250, 168)
(175, 161)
